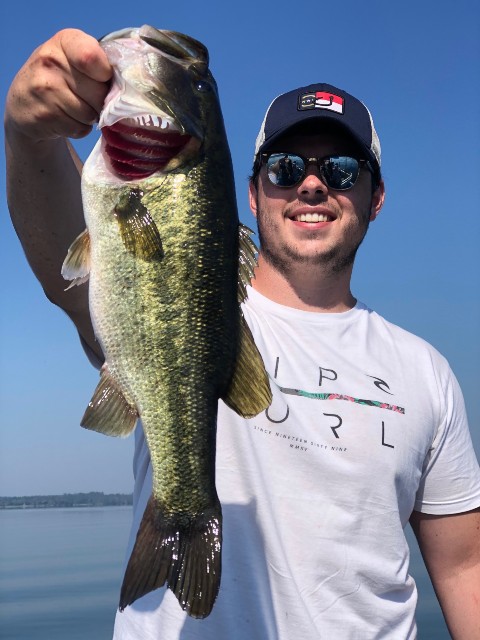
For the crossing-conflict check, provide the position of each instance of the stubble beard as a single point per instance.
(288, 258)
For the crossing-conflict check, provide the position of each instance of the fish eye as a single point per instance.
(202, 86)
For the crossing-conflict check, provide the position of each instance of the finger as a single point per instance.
(61, 88)
(52, 97)
(89, 71)
(87, 93)
(85, 54)
(41, 105)
(75, 129)
(66, 119)
(80, 69)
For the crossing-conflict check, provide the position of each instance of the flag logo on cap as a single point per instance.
(321, 100)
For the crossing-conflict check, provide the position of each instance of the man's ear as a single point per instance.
(252, 197)
(378, 199)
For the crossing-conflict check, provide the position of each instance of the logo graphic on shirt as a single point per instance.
(341, 396)
(321, 100)
(335, 421)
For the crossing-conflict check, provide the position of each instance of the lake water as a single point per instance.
(61, 570)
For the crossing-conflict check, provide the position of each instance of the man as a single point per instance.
(317, 490)
(285, 170)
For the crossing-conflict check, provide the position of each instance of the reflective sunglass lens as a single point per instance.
(340, 172)
(288, 169)
(285, 169)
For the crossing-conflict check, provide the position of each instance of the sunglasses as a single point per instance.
(338, 172)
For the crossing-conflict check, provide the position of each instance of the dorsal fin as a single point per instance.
(247, 260)
(249, 392)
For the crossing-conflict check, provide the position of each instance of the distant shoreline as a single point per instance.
(67, 500)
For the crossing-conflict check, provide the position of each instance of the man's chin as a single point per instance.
(290, 261)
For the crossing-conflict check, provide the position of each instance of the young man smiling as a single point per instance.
(309, 228)
(317, 490)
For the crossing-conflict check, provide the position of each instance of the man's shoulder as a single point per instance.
(364, 325)
(411, 344)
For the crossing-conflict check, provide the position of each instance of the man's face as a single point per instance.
(310, 225)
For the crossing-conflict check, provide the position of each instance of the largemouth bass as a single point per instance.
(167, 263)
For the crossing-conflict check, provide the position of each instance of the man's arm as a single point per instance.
(56, 95)
(450, 546)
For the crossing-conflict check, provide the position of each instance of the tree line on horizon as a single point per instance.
(91, 499)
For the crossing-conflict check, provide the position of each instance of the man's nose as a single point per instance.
(312, 183)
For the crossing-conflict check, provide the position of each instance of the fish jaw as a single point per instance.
(150, 120)
(135, 152)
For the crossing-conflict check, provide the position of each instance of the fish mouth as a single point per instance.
(150, 121)
(139, 147)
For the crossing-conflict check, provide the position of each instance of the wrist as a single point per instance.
(22, 144)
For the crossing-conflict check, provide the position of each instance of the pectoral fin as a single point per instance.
(249, 393)
(76, 266)
(137, 227)
(108, 411)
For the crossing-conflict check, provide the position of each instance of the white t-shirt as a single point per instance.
(367, 423)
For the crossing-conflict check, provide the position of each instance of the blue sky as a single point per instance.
(415, 64)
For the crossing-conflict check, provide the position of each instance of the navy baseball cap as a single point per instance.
(317, 102)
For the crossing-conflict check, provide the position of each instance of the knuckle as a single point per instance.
(80, 132)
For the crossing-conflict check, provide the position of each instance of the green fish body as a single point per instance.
(163, 251)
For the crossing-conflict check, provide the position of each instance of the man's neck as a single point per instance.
(306, 289)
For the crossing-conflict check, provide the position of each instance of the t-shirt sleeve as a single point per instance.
(450, 481)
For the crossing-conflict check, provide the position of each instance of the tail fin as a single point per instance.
(180, 550)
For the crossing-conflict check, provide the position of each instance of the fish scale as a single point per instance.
(164, 254)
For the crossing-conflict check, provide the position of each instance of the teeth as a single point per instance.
(312, 217)
(150, 121)
(154, 121)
